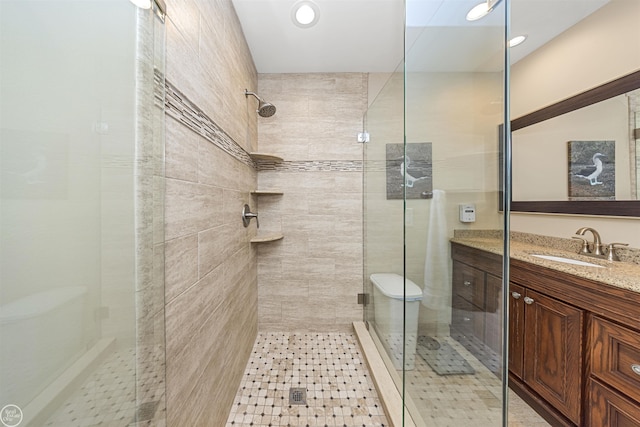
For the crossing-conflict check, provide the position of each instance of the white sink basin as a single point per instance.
(566, 260)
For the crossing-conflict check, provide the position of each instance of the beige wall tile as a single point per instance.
(234, 201)
(214, 247)
(181, 265)
(270, 309)
(211, 322)
(181, 151)
(189, 319)
(215, 167)
(191, 207)
(319, 262)
(219, 385)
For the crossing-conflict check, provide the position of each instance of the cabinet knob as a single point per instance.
(516, 295)
(635, 368)
(528, 300)
(466, 283)
(466, 319)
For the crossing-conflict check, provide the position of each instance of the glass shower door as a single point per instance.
(434, 154)
(80, 300)
(454, 103)
(383, 221)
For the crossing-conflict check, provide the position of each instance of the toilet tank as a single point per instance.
(389, 298)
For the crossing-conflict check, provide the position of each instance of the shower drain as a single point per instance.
(297, 396)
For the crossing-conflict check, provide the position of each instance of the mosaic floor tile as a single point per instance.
(330, 366)
(108, 396)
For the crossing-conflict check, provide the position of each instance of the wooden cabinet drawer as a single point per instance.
(466, 318)
(468, 283)
(610, 409)
(615, 358)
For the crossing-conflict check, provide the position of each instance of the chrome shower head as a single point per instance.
(265, 109)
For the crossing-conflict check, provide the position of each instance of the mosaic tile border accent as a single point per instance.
(178, 106)
(158, 88)
(375, 166)
(181, 108)
(311, 166)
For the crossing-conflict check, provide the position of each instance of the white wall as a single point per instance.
(604, 46)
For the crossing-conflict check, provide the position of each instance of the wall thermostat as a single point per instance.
(467, 213)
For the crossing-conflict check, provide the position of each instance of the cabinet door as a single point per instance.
(553, 352)
(610, 409)
(516, 329)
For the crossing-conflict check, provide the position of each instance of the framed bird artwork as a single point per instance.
(592, 170)
(410, 171)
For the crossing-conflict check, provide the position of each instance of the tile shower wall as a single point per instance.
(309, 280)
(211, 269)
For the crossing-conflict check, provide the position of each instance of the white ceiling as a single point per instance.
(368, 35)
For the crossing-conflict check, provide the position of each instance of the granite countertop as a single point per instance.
(620, 274)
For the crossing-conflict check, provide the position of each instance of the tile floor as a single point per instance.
(467, 399)
(108, 396)
(340, 392)
(330, 366)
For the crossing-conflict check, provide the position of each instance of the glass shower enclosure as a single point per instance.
(81, 219)
(431, 174)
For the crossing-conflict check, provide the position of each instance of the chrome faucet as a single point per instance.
(597, 243)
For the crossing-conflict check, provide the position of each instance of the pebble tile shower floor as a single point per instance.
(330, 366)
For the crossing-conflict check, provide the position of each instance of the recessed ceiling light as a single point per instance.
(478, 11)
(143, 4)
(516, 41)
(483, 9)
(305, 14)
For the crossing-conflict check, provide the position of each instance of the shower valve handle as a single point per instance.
(247, 215)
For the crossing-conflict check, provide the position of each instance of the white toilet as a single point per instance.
(388, 299)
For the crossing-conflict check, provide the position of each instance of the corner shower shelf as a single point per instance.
(267, 193)
(267, 238)
(266, 157)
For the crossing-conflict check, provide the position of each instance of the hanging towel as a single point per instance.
(437, 281)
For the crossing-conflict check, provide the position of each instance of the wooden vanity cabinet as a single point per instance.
(574, 344)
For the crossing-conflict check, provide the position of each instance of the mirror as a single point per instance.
(579, 155)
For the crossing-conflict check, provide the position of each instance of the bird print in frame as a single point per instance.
(592, 170)
(410, 171)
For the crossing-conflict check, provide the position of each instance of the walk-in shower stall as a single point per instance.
(432, 173)
(81, 161)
